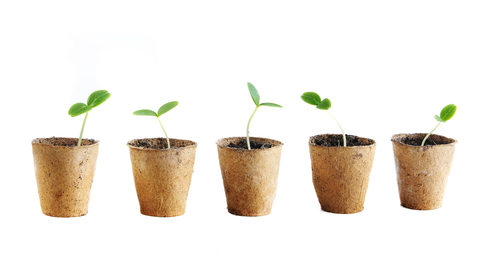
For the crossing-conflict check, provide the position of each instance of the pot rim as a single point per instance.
(219, 143)
(451, 140)
(192, 144)
(343, 147)
(34, 142)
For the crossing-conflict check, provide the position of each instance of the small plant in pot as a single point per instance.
(162, 169)
(341, 165)
(65, 167)
(423, 164)
(250, 167)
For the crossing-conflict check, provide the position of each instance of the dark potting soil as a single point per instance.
(62, 141)
(416, 140)
(242, 144)
(329, 140)
(159, 143)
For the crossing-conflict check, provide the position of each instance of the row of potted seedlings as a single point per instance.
(163, 167)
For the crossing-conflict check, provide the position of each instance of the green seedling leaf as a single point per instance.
(325, 104)
(314, 99)
(78, 109)
(97, 98)
(254, 93)
(163, 109)
(311, 98)
(145, 112)
(167, 107)
(448, 112)
(256, 99)
(270, 105)
(439, 119)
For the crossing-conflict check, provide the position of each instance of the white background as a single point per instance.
(387, 66)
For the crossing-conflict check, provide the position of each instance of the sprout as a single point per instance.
(325, 104)
(446, 114)
(256, 99)
(95, 99)
(163, 109)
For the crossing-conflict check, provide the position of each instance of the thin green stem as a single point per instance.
(343, 135)
(423, 142)
(168, 141)
(248, 129)
(81, 132)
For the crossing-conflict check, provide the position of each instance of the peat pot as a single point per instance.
(341, 174)
(422, 170)
(250, 176)
(64, 174)
(162, 176)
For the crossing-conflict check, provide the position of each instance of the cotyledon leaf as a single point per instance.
(97, 97)
(254, 93)
(145, 112)
(78, 109)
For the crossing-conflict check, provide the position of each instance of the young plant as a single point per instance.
(95, 99)
(163, 109)
(256, 99)
(325, 104)
(446, 114)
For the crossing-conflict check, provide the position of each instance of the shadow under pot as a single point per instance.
(250, 176)
(422, 171)
(341, 174)
(162, 176)
(64, 174)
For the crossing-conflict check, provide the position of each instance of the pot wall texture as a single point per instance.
(422, 171)
(163, 177)
(64, 175)
(250, 176)
(341, 175)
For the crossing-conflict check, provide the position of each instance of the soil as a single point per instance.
(62, 141)
(416, 140)
(159, 143)
(329, 140)
(242, 144)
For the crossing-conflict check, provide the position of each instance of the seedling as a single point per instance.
(95, 99)
(256, 99)
(446, 114)
(325, 104)
(163, 109)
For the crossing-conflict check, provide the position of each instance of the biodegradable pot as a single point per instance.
(341, 174)
(162, 176)
(422, 170)
(64, 174)
(250, 176)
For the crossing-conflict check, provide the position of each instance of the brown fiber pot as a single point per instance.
(422, 170)
(250, 176)
(341, 174)
(162, 176)
(64, 174)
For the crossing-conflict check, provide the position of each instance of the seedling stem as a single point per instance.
(81, 132)
(168, 140)
(248, 128)
(429, 134)
(343, 134)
